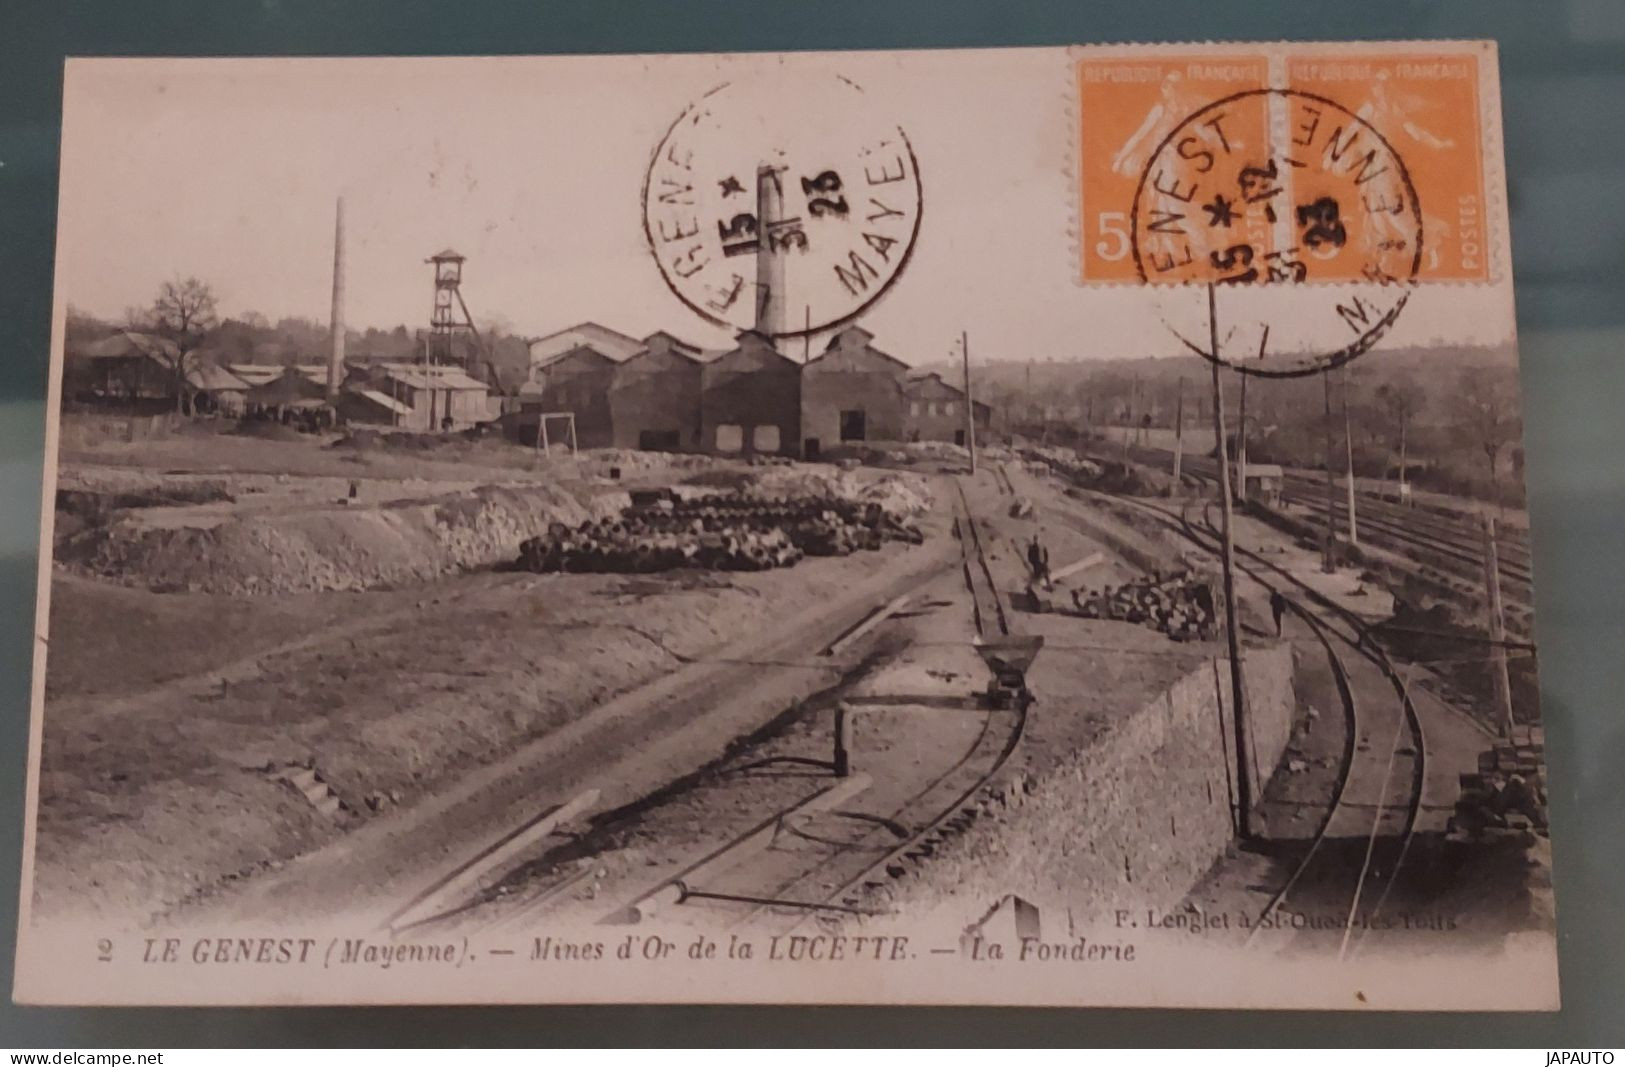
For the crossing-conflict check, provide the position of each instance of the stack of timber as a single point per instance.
(1183, 607)
(732, 532)
(1508, 794)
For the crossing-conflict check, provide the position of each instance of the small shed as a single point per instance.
(750, 400)
(286, 391)
(1263, 482)
(437, 397)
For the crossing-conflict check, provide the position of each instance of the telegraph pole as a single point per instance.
(1327, 561)
(1179, 436)
(1241, 445)
(1498, 634)
(1348, 448)
(970, 401)
(1244, 788)
(1128, 430)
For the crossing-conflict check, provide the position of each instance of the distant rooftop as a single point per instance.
(601, 339)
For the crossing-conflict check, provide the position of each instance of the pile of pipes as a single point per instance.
(1183, 607)
(1508, 794)
(731, 532)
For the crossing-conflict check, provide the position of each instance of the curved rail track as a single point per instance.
(834, 881)
(821, 863)
(1385, 848)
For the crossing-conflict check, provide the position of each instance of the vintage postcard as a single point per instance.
(1035, 527)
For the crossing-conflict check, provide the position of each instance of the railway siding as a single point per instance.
(1109, 806)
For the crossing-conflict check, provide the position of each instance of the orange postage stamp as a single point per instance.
(1131, 106)
(1343, 165)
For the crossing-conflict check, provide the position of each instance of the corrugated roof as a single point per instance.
(289, 387)
(260, 373)
(214, 378)
(601, 339)
(388, 403)
(127, 343)
(418, 376)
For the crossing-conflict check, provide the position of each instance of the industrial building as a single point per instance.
(654, 397)
(936, 409)
(665, 394)
(136, 371)
(750, 400)
(851, 392)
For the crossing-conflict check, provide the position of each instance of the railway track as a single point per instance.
(1454, 546)
(823, 867)
(816, 856)
(1366, 830)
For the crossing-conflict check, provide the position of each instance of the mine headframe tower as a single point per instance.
(453, 338)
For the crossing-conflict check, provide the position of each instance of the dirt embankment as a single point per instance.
(162, 762)
(333, 547)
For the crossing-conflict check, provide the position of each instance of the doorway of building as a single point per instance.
(959, 438)
(810, 449)
(659, 440)
(852, 425)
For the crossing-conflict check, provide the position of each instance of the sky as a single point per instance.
(229, 169)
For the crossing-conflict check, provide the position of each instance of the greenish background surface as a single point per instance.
(1563, 86)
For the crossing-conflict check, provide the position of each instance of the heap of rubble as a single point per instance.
(1508, 794)
(1182, 606)
(722, 532)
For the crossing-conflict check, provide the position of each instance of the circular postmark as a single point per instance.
(786, 206)
(1289, 222)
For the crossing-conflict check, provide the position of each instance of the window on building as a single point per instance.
(948, 408)
(730, 437)
(764, 438)
(914, 408)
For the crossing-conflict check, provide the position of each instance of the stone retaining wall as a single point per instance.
(1133, 818)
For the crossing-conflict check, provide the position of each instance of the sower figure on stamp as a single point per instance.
(1038, 560)
(1278, 609)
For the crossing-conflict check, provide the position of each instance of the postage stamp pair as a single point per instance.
(1289, 163)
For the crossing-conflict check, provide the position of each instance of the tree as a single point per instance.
(182, 313)
(1486, 416)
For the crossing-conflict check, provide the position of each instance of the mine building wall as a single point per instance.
(750, 401)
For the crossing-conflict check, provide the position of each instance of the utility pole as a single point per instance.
(1179, 437)
(1238, 716)
(335, 322)
(1404, 486)
(1498, 664)
(970, 401)
(1327, 560)
(1241, 445)
(1348, 448)
(1133, 401)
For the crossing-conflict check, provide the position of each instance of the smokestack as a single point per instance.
(769, 261)
(335, 357)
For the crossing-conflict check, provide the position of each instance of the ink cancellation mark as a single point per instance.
(1321, 199)
(784, 207)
